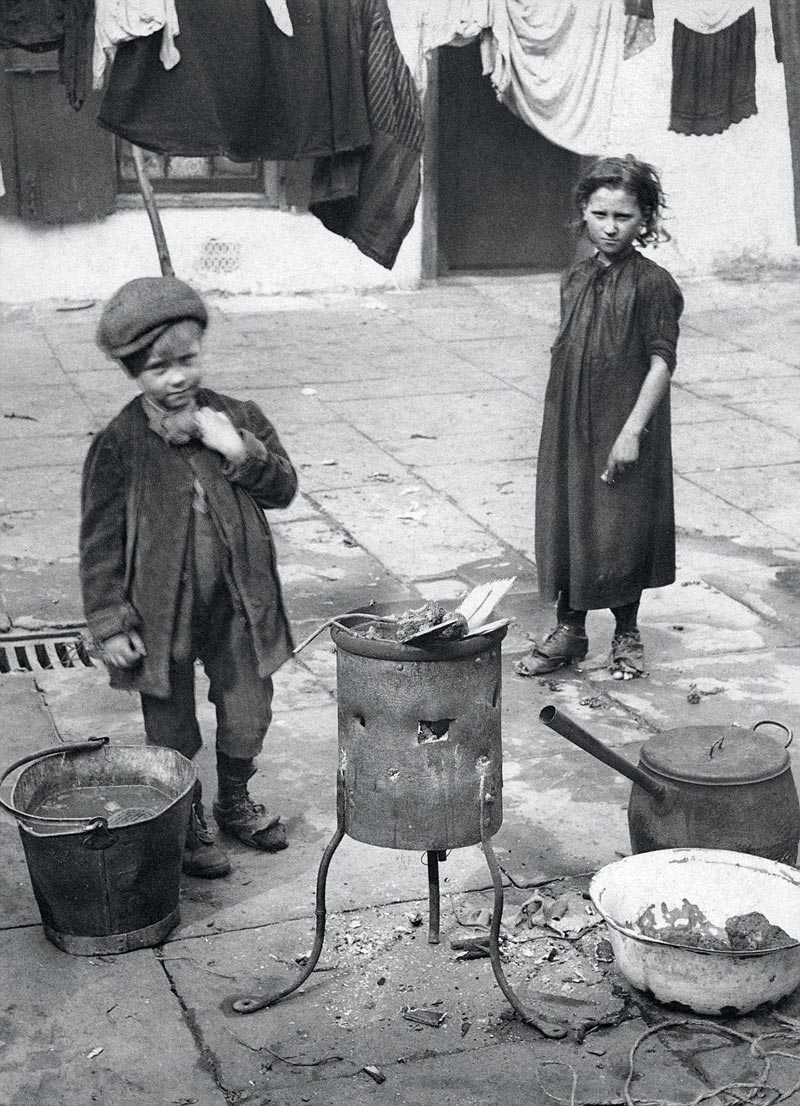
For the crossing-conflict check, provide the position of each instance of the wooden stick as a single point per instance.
(152, 212)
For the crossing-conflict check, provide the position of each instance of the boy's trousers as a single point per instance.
(243, 699)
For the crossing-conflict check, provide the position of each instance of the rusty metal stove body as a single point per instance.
(419, 745)
(420, 767)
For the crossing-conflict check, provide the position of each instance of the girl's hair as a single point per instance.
(635, 177)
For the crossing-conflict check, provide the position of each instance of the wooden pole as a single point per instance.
(152, 212)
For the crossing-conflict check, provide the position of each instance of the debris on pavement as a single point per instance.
(696, 693)
(474, 947)
(374, 1073)
(424, 1015)
(569, 915)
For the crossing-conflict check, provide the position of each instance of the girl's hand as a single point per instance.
(217, 432)
(624, 455)
(123, 650)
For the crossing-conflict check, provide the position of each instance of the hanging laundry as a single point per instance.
(36, 25)
(640, 28)
(73, 54)
(775, 7)
(786, 26)
(370, 196)
(41, 25)
(713, 76)
(118, 21)
(243, 88)
(555, 65)
(281, 15)
(707, 17)
(454, 22)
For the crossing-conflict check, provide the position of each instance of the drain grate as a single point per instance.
(31, 651)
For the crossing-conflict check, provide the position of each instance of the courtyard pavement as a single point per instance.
(413, 420)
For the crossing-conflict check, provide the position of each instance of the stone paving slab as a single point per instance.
(516, 443)
(733, 444)
(435, 380)
(29, 418)
(451, 416)
(343, 1010)
(32, 730)
(409, 550)
(738, 365)
(736, 688)
(80, 1029)
(51, 451)
(699, 511)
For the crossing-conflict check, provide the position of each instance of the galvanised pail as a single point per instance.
(108, 883)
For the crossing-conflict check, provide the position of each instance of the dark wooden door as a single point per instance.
(61, 167)
(504, 190)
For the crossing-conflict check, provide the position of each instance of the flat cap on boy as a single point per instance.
(141, 310)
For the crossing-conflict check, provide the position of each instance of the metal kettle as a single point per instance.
(707, 787)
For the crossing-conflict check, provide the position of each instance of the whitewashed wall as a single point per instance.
(730, 195)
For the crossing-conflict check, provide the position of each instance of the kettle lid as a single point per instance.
(715, 755)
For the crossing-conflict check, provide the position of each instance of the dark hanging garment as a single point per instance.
(370, 195)
(74, 51)
(786, 26)
(713, 77)
(36, 25)
(777, 26)
(43, 25)
(242, 88)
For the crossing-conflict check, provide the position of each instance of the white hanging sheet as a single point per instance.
(709, 16)
(555, 63)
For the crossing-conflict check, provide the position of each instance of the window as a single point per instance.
(281, 184)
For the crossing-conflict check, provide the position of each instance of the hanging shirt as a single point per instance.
(117, 21)
(555, 64)
(713, 77)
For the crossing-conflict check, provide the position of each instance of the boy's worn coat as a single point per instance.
(136, 514)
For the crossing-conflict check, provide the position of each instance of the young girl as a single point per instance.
(605, 526)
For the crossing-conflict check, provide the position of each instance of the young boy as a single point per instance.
(176, 558)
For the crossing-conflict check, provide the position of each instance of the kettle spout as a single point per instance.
(567, 727)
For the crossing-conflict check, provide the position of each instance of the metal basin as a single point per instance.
(722, 884)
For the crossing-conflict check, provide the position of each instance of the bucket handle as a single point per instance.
(786, 729)
(56, 750)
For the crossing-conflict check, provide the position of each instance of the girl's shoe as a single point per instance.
(560, 648)
(627, 655)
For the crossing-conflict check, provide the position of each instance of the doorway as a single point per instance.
(503, 189)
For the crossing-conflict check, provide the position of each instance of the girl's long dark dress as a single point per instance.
(600, 544)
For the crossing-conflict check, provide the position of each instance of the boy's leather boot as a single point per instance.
(201, 856)
(237, 814)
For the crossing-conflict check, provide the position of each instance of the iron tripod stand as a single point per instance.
(250, 1004)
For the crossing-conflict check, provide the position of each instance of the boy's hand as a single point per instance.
(123, 650)
(217, 432)
(624, 454)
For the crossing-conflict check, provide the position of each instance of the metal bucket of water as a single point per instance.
(103, 829)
